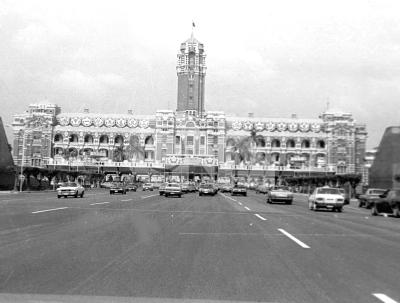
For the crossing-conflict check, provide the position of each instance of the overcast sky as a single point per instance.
(273, 58)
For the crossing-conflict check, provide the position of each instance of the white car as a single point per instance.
(326, 197)
(70, 189)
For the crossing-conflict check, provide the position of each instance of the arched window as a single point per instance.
(119, 140)
(149, 140)
(321, 144)
(290, 144)
(104, 139)
(73, 138)
(58, 138)
(276, 143)
(260, 141)
(88, 139)
(305, 144)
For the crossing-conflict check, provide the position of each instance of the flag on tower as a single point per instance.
(193, 25)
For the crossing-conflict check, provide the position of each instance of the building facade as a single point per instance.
(333, 142)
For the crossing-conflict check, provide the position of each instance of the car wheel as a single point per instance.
(82, 194)
(396, 212)
(58, 196)
(245, 195)
(360, 204)
(368, 205)
(76, 194)
(160, 194)
(200, 194)
(268, 200)
(289, 202)
(339, 209)
(309, 205)
(179, 196)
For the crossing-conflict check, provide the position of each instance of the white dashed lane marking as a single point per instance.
(46, 210)
(384, 298)
(240, 203)
(302, 244)
(247, 208)
(98, 203)
(126, 200)
(260, 217)
(145, 197)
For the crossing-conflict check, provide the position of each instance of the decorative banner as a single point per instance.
(270, 126)
(110, 122)
(248, 125)
(259, 126)
(316, 127)
(98, 121)
(144, 124)
(63, 121)
(132, 123)
(86, 121)
(76, 121)
(293, 126)
(236, 125)
(121, 122)
(281, 126)
(304, 127)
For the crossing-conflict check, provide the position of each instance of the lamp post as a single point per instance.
(22, 178)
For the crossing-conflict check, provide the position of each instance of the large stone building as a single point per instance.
(189, 137)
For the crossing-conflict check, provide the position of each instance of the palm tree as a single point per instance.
(118, 154)
(242, 148)
(134, 149)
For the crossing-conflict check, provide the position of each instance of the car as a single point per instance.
(105, 185)
(388, 203)
(118, 187)
(226, 188)
(173, 189)
(326, 197)
(239, 190)
(262, 189)
(147, 186)
(370, 196)
(131, 187)
(345, 195)
(207, 189)
(192, 187)
(280, 194)
(70, 189)
(161, 189)
(185, 187)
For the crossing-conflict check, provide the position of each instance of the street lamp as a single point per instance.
(22, 178)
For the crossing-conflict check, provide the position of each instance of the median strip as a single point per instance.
(384, 298)
(293, 238)
(98, 203)
(261, 217)
(46, 210)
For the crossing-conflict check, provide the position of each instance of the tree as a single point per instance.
(118, 154)
(134, 150)
(242, 148)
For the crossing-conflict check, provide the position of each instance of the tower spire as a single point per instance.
(193, 26)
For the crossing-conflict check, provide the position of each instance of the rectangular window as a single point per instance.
(177, 140)
(202, 140)
(190, 140)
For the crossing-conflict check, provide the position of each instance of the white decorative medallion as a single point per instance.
(63, 120)
(281, 126)
(270, 126)
(121, 122)
(144, 123)
(236, 125)
(293, 126)
(86, 121)
(75, 121)
(109, 122)
(315, 127)
(259, 126)
(304, 127)
(248, 125)
(98, 121)
(132, 123)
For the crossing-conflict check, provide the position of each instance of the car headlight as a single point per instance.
(319, 199)
(339, 200)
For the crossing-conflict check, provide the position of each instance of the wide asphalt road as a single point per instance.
(112, 248)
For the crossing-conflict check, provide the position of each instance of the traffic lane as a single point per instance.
(340, 243)
(208, 252)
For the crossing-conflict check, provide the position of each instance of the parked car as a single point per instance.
(207, 189)
(388, 203)
(370, 196)
(326, 197)
(118, 188)
(105, 184)
(345, 195)
(280, 194)
(262, 189)
(185, 187)
(239, 190)
(161, 189)
(192, 187)
(131, 187)
(173, 189)
(70, 189)
(147, 186)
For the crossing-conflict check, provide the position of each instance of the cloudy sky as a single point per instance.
(272, 58)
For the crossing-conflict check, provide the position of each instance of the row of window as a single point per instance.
(104, 139)
(260, 142)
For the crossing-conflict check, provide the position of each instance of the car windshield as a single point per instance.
(328, 191)
(282, 188)
(173, 185)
